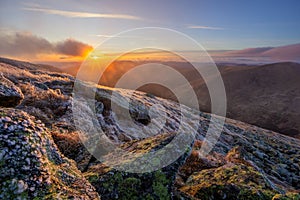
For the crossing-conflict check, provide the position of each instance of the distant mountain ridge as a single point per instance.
(287, 52)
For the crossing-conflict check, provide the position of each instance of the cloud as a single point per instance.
(27, 44)
(72, 14)
(204, 27)
(24, 43)
(72, 47)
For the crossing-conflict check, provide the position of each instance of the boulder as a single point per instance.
(234, 179)
(31, 166)
(10, 94)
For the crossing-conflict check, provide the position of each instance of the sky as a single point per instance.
(62, 25)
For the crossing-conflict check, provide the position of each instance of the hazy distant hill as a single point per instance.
(267, 96)
(286, 53)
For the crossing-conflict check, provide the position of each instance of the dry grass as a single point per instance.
(68, 143)
(47, 104)
(9, 72)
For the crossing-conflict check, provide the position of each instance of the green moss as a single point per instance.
(129, 188)
(53, 192)
(232, 192)
(160, 185)
(149, 197)
(2, 163)
(287, 196)
(113, 181)
(294, 196)
(121, 185)
(93, 177)
(233, 182)
(217, 192)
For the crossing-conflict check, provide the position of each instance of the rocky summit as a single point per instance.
(43, 156)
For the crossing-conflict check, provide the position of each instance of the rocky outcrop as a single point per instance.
(10, 95)
(234, 179)
(159, 184)
(31, 166)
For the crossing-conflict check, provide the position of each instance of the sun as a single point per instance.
(94, 57)
(86, 52)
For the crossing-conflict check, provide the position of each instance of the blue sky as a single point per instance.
(217, 25)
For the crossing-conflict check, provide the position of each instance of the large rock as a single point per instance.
(10, 95)
(31, 166)
(229, 177)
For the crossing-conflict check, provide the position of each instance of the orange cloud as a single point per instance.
(73, 48)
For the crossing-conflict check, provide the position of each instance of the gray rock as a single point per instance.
(41, 85)
(28, 160)
(10, 94)
(22, 186)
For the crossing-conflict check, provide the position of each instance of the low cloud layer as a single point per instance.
(27, 44)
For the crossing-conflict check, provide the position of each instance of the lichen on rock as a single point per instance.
(31, 166)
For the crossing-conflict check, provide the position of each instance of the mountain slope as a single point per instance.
(247, 162)
(267, 96)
